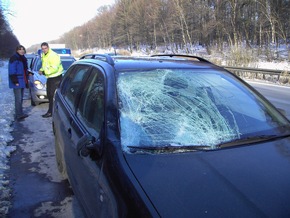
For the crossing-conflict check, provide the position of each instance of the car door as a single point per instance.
(90, 116)
(69, 129)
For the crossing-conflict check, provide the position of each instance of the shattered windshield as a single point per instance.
(185, 107)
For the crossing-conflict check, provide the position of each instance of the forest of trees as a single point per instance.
(8, 40)
(180, 24)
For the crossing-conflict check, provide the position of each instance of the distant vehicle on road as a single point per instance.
(169, 136)
(37, 82)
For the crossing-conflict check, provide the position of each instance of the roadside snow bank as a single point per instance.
(283, 65)
(6, 119)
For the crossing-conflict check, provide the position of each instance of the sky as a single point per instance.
(37, 21)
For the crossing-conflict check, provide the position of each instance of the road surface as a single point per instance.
(38, 189)
(278, 95)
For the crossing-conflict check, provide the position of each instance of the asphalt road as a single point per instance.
(38, 189)
(278, 95)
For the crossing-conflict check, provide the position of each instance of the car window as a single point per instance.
(33, 63)
(91, 105)
(66, 63)
(71, 83)
(29, 61)
(39, 63)
(171, 107)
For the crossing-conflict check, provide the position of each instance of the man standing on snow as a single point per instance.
(52, 69)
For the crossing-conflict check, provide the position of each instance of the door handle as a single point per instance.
(69, 132)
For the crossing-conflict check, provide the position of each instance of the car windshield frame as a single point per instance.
(191, 107)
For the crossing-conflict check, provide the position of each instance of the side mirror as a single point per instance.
(87, 145)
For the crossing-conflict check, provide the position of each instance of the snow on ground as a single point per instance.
(284, 65)
(6, 119)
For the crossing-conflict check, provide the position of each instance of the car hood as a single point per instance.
(248, 181)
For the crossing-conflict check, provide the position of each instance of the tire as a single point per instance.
(33, 103)
(59, 159)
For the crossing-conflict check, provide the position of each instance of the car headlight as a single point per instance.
(38, 84)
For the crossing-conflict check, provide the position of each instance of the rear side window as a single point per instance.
(91, 105)
(35, 64)
(72, 83)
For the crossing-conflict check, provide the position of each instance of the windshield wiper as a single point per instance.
(172, 148)
(251, 140)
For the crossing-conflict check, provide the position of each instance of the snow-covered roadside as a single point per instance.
(284, 65)
(6, 119)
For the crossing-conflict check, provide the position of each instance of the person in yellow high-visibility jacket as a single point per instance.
(52, 69)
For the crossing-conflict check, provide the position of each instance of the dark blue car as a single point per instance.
(169, 136)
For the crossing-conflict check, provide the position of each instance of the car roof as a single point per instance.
(121, 63)
(158, 62)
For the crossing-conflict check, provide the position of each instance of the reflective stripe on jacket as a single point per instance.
(51, 64)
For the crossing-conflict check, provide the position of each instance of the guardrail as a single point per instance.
(257, 73)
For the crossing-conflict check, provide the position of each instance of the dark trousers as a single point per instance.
(18, 94)
(51, 85)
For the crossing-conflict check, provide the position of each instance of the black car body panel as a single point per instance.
(218, 183)
(118, 170)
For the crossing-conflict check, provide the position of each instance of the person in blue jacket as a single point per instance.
(18, 79)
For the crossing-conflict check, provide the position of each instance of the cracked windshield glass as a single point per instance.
(172, 107)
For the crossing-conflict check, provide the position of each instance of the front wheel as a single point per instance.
(59, 159)
(33, 103)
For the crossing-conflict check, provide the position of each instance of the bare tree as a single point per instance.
(123, 24)
(8, 41)
(176, 24)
